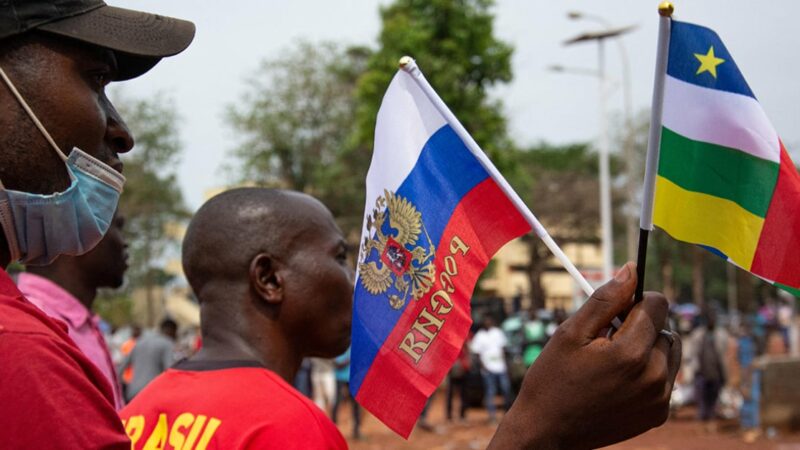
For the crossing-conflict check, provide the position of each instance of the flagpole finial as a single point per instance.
(405, 61)
(408, 65)
(665, 9)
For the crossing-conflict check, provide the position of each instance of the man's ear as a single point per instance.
(264, 278)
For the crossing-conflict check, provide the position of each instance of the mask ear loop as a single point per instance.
(5, 219)
(32, 115)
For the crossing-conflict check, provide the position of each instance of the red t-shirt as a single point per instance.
(228, 405)
(51, 395)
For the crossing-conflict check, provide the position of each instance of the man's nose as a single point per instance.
(117, 133)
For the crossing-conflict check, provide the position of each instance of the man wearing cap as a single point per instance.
(60, 181)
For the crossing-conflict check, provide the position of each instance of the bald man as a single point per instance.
(270, 270)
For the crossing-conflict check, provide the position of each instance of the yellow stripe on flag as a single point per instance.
(707, 220)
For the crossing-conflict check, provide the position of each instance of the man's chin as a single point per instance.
(344, 344)
(338, 347)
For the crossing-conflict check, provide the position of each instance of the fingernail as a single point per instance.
(624, 274)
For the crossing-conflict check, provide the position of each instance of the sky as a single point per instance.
(541, 105)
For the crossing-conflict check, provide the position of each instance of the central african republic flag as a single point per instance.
(725, 180)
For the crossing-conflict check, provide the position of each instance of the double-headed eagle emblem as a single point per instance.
(392, 262)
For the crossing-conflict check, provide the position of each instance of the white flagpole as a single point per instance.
(665, 10)
(410, 66)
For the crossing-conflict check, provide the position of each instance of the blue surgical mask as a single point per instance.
(40, 228)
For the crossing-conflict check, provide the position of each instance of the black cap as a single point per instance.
(138, 39)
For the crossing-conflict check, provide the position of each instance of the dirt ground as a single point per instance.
(681, 432)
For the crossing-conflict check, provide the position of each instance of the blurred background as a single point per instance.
(284, 94)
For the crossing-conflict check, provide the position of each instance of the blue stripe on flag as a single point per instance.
(715, 251)
(688, 40)
(444, 173)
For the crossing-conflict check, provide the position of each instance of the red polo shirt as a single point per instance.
(51, 395)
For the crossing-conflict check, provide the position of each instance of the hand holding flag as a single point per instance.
(586, 391)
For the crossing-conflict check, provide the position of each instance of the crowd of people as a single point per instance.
(724, 355)
(719, 377)
(269, 268)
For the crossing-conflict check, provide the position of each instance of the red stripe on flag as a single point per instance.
(396, 387)
(777, 256)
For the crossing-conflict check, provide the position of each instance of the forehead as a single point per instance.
(79, 52)
(319, 227)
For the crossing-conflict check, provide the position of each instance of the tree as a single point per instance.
(453, 42)
(152, 199)
(560, 184)
(296, 119)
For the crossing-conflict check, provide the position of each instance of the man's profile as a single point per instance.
(280, 292)
(60, 181)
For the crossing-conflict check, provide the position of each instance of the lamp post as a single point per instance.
(631, 167)
(603, 150)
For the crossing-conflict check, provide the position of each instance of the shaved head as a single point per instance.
(231, 228)
(270, 270)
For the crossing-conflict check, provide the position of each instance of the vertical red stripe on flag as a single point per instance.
(396, 387)
(777, 256)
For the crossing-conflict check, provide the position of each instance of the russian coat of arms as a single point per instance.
(395, 260)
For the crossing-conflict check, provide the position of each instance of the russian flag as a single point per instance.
(433, 219)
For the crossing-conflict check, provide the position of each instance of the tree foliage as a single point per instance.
(152, 199)
(453, 42)
(561, 186)
(295, 121)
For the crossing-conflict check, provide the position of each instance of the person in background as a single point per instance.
(456, 381)
(784, 315)
(154, 353)
(749, 381)
(125, 350)
(489, 344)
(710, 371)
(323, 383)
(342, 373)
(66, 290)
(535, 336)
(302, 380)
(559, 316)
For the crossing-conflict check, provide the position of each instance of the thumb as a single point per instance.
(607, 302)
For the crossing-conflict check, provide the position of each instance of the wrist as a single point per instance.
(520, 430)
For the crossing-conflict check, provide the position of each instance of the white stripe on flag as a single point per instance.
(719, 117)
(406, 120)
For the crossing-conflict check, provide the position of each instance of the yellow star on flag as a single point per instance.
(708, 62)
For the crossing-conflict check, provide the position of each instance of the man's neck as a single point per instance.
(271, 352)
(75, 285)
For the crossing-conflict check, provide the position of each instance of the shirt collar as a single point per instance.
(53, 298)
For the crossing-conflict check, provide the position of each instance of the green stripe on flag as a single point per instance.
(793, 291)
(719, 171)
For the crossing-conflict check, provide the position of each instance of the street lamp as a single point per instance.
(631, 230)
(603, 150)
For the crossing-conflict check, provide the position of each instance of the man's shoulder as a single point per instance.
(30, 339)
(44, 374)
(20, 317)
